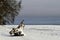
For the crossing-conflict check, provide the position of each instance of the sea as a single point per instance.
(39, 20)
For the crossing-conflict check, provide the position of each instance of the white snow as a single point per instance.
(33, 32)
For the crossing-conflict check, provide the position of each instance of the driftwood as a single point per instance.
(19, 30)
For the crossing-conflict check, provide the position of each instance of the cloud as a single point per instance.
(41, 8)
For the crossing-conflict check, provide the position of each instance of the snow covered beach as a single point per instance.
(32, 32)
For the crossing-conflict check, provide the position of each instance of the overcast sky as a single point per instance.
(40, 8)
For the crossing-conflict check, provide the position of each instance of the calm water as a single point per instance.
(37, 21)
(39, 12)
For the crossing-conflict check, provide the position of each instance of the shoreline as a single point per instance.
(33, 32)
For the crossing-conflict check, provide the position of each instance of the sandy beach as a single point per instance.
(32, 32)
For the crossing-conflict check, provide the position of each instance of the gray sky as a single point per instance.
(40, 8)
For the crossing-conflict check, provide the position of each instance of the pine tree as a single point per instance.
(8, 10)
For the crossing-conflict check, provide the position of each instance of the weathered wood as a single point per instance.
(19, 30)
